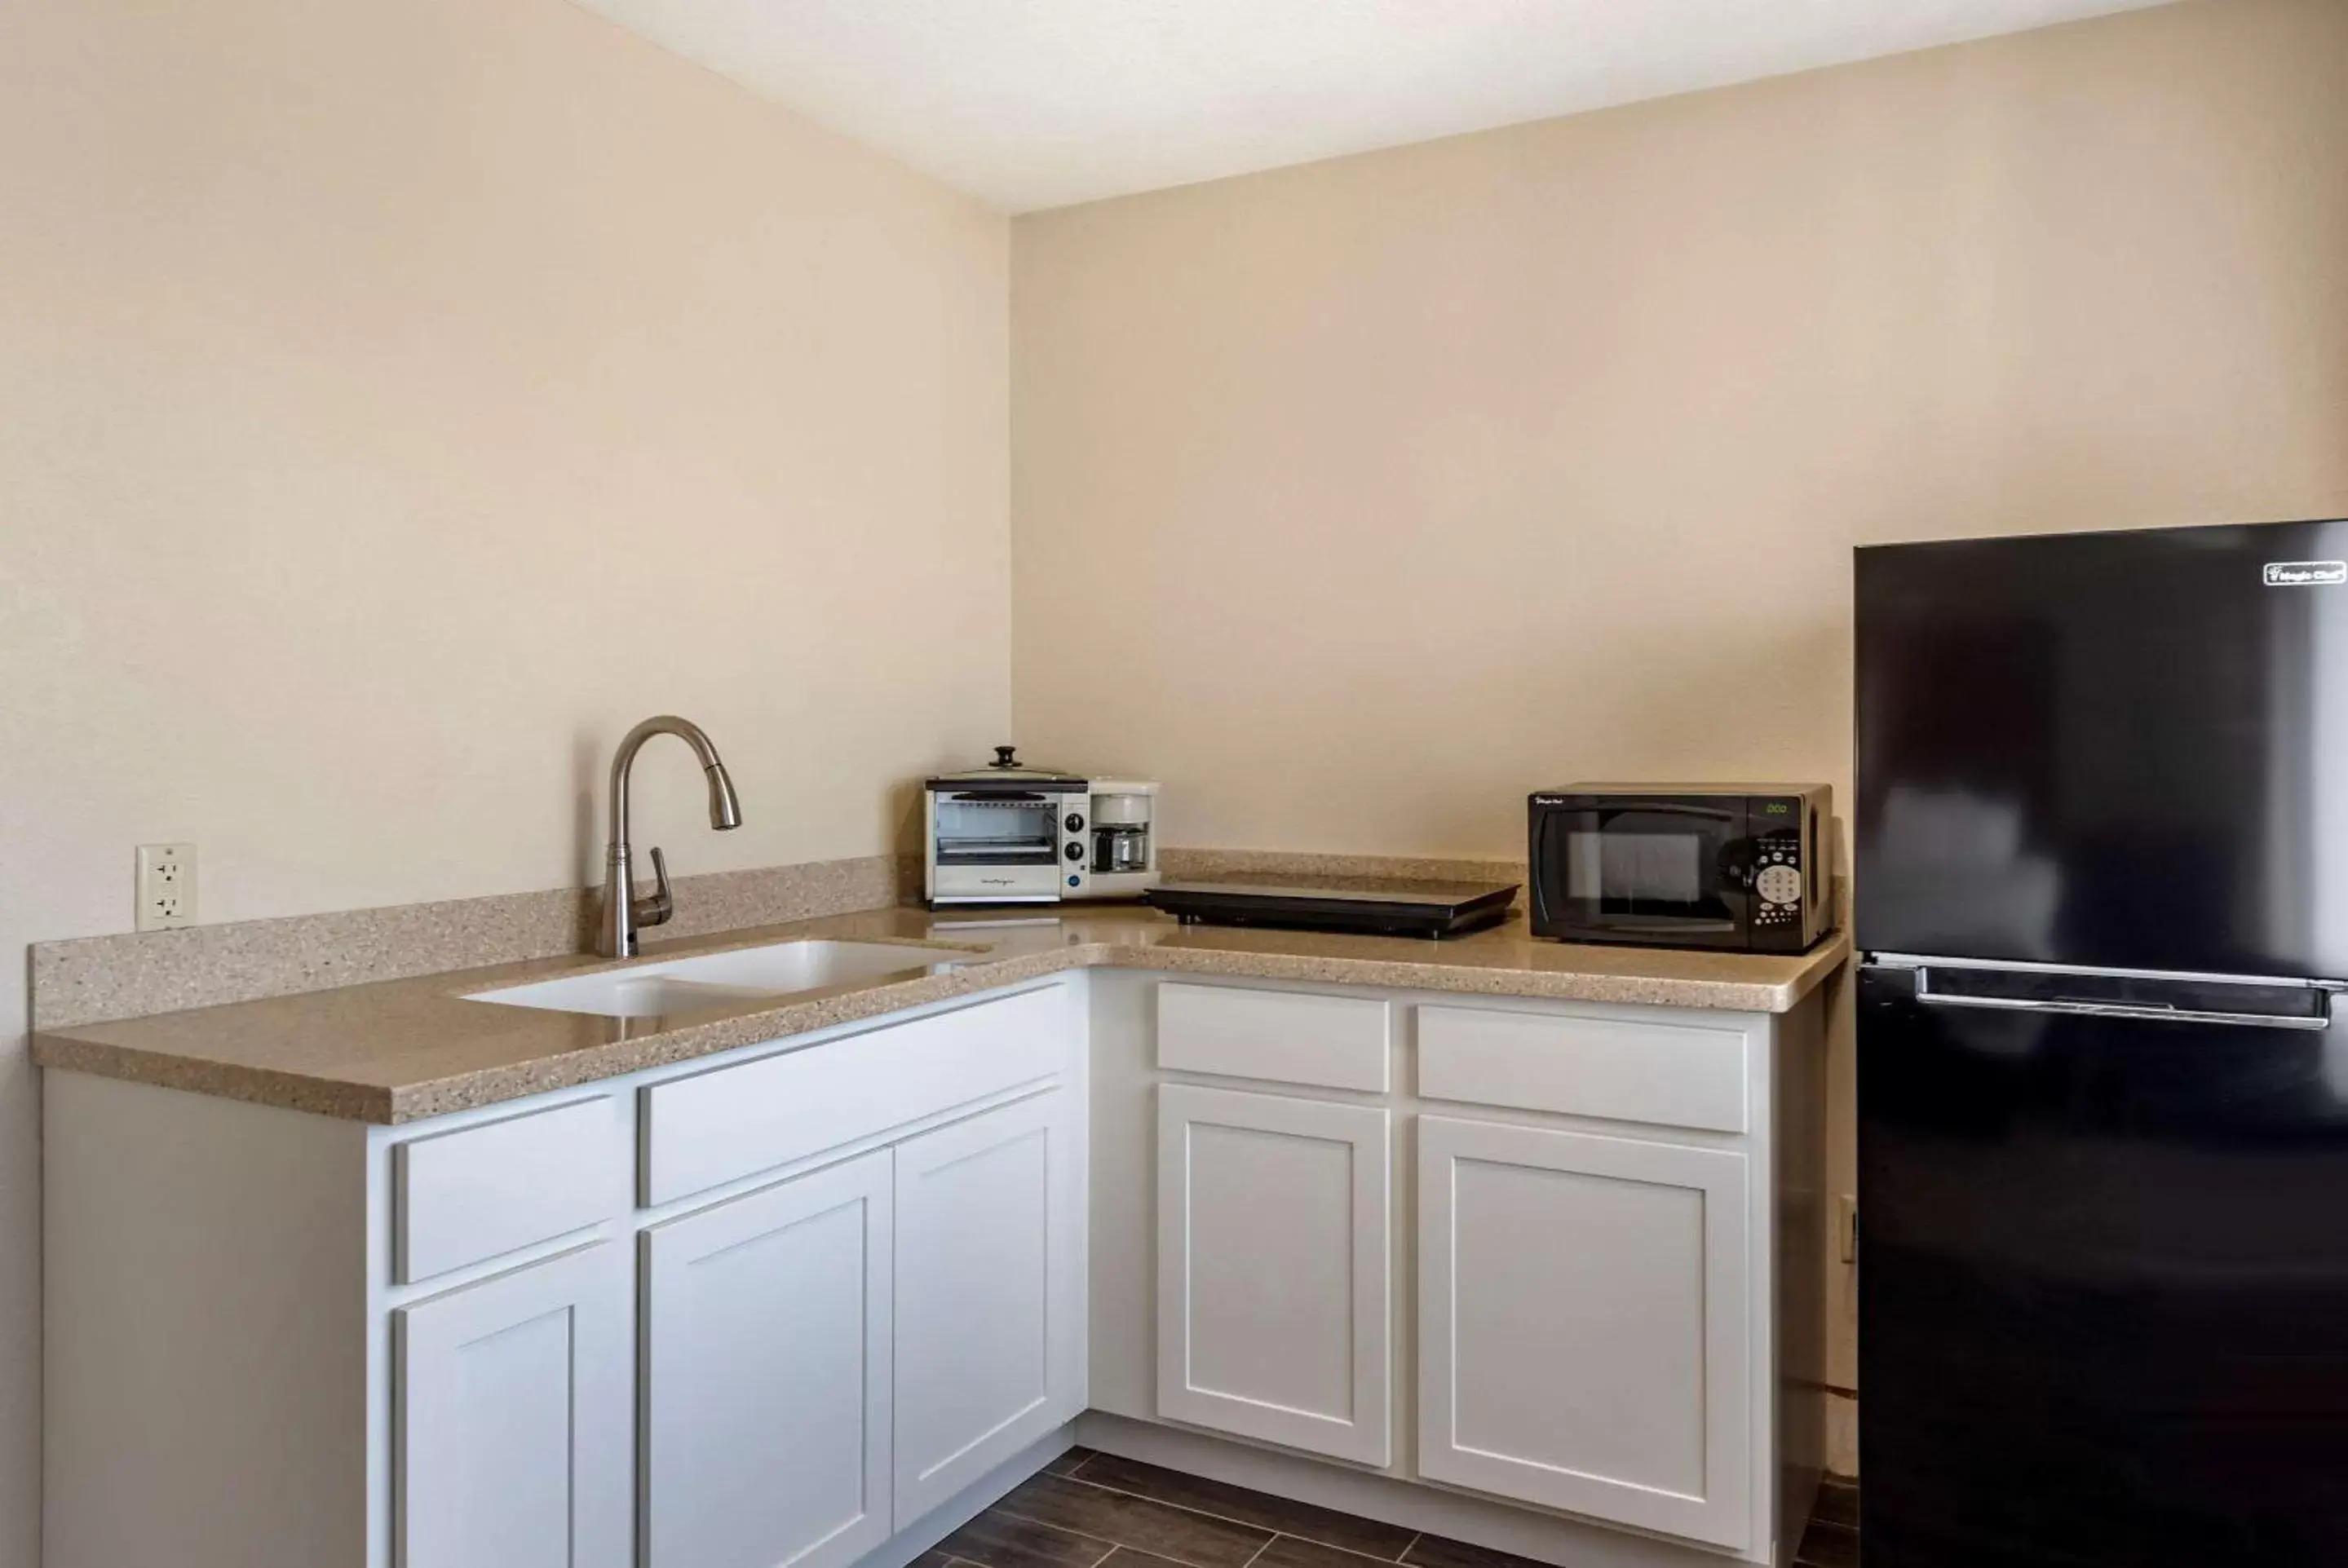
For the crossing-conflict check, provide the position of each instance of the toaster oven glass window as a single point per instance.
(994, 830)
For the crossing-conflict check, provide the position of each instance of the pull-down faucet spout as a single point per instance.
(624, 912)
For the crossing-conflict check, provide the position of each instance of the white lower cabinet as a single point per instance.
(759, 1359)
(1585, 1327)
(989, 1292)
(1274, 1223)
(513, 1411)
(767, 1335)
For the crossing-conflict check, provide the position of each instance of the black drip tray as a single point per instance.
(1371, 906)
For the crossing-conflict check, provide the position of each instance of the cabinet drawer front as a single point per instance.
(1625, 1069)
(1280, 1037)
(735, 1122)
(465, 1196)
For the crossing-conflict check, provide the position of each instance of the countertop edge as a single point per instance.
(71, 1048)
(1623, 991)
(340, 1098)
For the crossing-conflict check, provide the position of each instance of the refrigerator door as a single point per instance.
(2103, 1277)
(2107, 750)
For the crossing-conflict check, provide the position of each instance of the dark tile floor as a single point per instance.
(1832, 1540)
(1087, 1510)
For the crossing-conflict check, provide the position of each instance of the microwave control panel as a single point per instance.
(1778, 878)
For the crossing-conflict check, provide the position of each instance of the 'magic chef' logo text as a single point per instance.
(2306, 573)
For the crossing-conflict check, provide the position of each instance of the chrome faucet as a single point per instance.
(624, 912)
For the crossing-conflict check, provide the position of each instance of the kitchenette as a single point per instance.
(804, 1243)
(1022, 783)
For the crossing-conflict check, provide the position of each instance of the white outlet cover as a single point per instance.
(165, 895)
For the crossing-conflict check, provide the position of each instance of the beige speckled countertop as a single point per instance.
(404, 1050)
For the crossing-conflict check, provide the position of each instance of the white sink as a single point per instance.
(720, 981)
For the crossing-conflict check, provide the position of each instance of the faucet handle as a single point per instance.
(656, 909)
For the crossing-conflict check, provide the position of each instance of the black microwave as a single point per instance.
(1739, 868)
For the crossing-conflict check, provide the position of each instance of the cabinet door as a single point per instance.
(1272, 1244)
(765, 1359)
(1585, 1325)
(990, 1293)
(513, 1407)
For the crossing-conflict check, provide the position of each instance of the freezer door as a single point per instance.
(2123, 748)
(2104, 1276)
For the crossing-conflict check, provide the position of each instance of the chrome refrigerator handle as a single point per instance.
(2145, 1012)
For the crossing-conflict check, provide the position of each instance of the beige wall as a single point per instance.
(398, 398)
(1355, 501)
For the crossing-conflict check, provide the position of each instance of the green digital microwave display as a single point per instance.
(1775, 809)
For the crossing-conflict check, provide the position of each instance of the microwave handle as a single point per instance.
(1816, 852)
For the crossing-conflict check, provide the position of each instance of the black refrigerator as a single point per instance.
(2101, 875)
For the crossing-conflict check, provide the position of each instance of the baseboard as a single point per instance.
(1410, 1505)
(1544, 1538)
(966, 1504)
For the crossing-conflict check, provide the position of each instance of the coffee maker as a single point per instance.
(1124, 839)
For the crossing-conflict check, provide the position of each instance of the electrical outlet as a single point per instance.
(1847, 1226)
(167, 887)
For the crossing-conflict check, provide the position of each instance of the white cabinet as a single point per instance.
(513, 1415)
(767, 1351)
(865, 1270)
(1585, 1327)
(989, 1293)
(1273, 1234)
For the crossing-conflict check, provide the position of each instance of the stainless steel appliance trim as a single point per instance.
(1925, 994)
(2018, 966)
(946, 899)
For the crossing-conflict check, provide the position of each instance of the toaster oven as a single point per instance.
(1009, 833)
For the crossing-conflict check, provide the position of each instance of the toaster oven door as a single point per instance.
(995, 847)
(1655, 872)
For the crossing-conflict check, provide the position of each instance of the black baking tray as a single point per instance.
(1375, 906)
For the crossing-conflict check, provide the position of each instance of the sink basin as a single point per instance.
(720, 981)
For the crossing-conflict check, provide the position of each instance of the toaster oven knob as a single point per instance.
(1075, 852)
(1780, 885)
(1076, 823)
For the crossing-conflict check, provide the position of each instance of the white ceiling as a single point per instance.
(1038, 103)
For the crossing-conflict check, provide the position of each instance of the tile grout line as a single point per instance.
(1139, 1496)
(1224, 1518)
(1401, 1559)
(1062, 1528)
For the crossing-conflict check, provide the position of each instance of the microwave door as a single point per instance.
(1649, 871)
